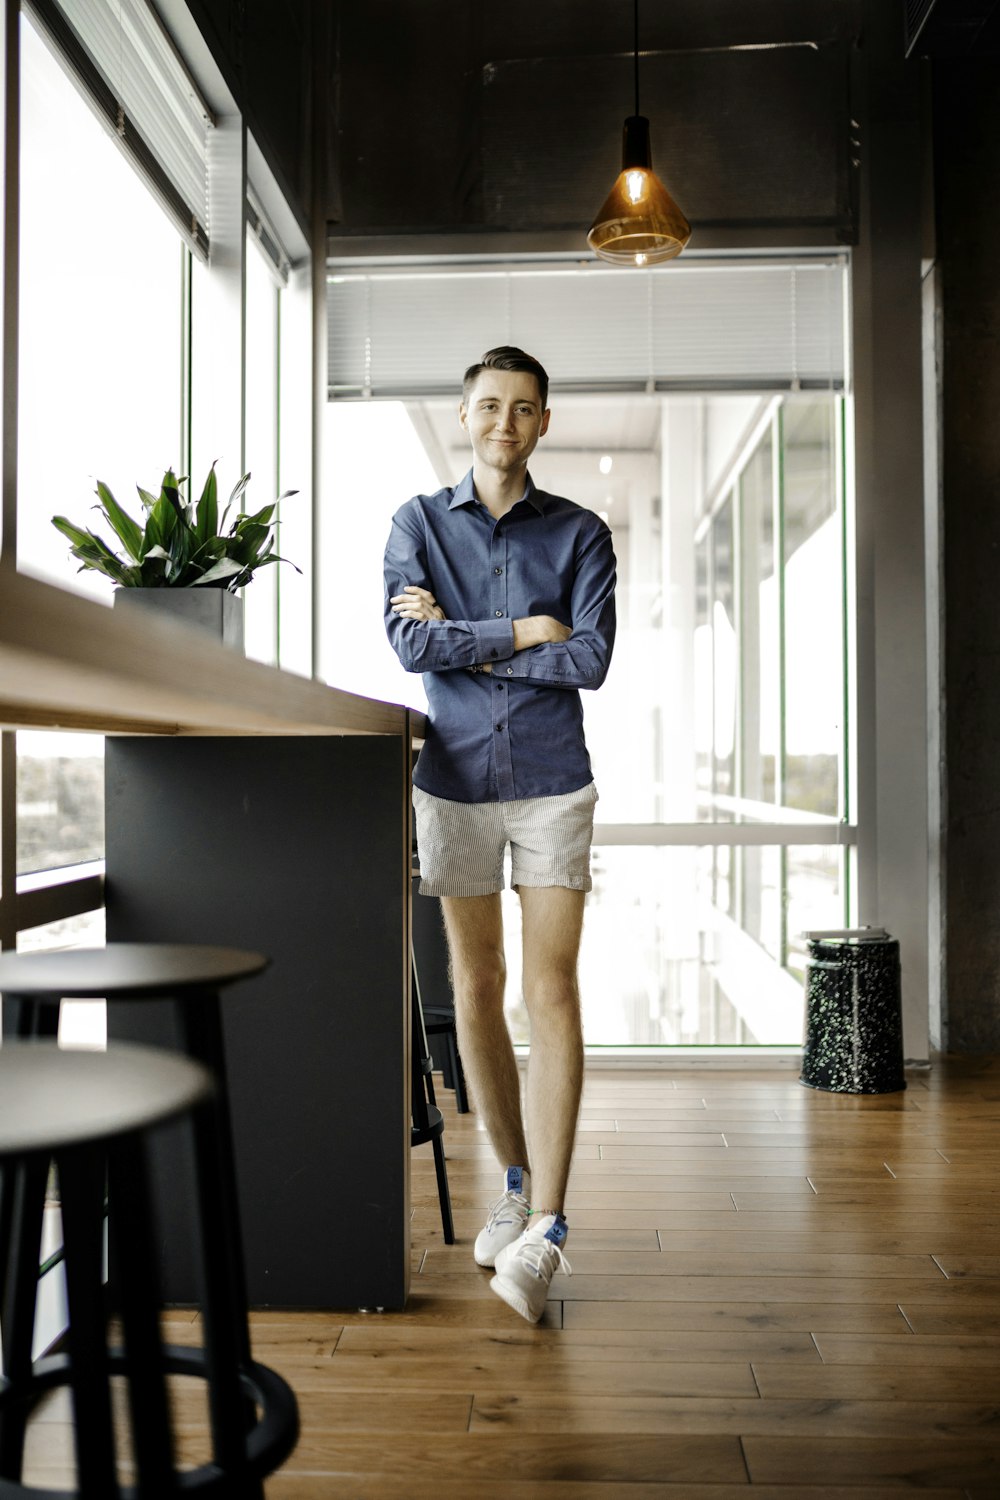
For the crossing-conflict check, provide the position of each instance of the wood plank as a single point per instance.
(964, 1461)
(611, 1288)
(886, 1384)
(815, 1241)
(564, 1411)
(937, 1352)
(535, 1370)
(932, 1318)
(289, 1485)
(957, 1264)
(476, 1458)
(641, 1344)
(844, 1317)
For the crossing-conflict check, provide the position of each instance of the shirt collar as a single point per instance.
(465, 494)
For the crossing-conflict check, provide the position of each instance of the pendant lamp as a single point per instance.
(639, 223)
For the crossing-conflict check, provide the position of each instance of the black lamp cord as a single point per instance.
(635, 10)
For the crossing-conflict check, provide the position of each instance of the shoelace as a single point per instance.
(538, 1253)
(505, 1201)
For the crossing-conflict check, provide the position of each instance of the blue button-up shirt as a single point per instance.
(516, 731)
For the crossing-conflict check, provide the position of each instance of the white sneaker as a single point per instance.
(507, 1218)
(525, 1268)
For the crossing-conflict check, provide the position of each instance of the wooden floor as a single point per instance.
(771, 1287)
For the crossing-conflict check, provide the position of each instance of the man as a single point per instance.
(503, 596)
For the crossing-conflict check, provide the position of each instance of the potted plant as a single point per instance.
(182, 558)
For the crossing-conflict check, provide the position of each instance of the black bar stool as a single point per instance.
(88, 1112)
(426, 1120)
(429, 954)
(191, 976)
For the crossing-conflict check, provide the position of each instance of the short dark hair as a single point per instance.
(507, 357)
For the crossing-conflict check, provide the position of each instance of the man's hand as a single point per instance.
(416, 604)
(535, 630)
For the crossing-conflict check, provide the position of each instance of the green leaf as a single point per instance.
(263, 517)
(207, 521)
(147, 499)
(165, 517)
(225, 568)
(272, 557)
(247, 542)
(75, 533)
(125, 528)
(238, 489)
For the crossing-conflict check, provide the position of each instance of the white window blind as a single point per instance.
(127, 64)
(692, 325)
(263, 232)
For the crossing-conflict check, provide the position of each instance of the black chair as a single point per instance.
(246, 1444)
(87, 1112)
(427, 1121)
(430, 968)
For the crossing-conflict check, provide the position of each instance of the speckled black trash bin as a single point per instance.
(854, 1021)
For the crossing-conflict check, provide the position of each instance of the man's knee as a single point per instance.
(478, 980)
(553, 991)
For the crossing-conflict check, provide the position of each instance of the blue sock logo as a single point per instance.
(515, 1179)
(557, 1233)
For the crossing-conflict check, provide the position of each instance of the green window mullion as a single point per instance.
(840, 438)
(187, 325)
(778, 445)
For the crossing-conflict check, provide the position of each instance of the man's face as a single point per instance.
(504, 419)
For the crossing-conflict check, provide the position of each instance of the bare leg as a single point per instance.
(474, 925)
(552, 919)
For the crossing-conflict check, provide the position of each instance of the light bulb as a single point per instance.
(605, 464)
(635, 186)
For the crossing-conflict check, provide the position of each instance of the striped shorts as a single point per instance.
(461, 844)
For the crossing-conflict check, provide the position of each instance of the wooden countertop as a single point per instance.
(68, 663)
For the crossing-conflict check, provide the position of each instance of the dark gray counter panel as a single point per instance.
(299, 848)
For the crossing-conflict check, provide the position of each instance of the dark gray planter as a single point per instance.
(213, 610)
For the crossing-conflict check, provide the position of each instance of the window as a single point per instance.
(725, 709)
(99, 386)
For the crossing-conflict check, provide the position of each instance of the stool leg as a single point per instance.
(21, 1209)
(201, 1030)
(458, 1076)
(444, 1193)
(130, 1226)
(224, 1299)
(225, 1332)
(81, 1190)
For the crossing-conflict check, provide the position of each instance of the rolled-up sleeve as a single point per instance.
(583, 660)
(433, 645)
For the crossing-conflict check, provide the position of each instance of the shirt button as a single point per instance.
(501, 726)
(510, 671)
(498, 613)
(500, 687)
(498, 571)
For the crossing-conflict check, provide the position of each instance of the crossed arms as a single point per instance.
(415, 603)
(536, 647)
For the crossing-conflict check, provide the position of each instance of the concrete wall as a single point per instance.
(966, 105)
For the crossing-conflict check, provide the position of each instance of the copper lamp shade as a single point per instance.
(639, 223)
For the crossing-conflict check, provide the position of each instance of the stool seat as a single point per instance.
(131, 969)
(87, 1113)
(55, 1097)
